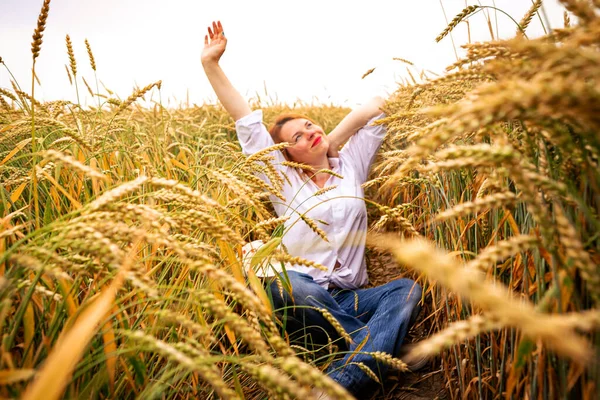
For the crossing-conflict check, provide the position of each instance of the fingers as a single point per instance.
(205, 40)
(215, 33)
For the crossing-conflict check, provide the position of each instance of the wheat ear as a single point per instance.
(38, 33)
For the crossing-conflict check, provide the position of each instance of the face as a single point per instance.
(309, 142)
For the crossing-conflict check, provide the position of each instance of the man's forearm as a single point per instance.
(231, 99)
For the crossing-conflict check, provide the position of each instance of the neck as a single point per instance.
(322, 163)
(322, 177)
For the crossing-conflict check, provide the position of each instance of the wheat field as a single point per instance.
(122, 228)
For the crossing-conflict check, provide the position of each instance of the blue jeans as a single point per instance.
(382, 313)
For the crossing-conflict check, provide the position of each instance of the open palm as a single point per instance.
(214, 43)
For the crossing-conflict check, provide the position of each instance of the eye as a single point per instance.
(297, 138)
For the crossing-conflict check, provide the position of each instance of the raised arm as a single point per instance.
(352, 122)
(231, 99)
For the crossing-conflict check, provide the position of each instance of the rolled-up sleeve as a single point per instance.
(252, 134)
(362, 147)
(254, 137)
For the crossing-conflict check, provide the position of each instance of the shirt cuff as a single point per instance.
(252, 118)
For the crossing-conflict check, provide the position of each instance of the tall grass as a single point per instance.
(126, 282)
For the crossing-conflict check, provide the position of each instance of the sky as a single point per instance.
(312, 51)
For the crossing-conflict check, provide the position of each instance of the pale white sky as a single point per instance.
(312, 50)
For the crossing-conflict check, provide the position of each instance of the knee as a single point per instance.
(408, 296)
(408, 289)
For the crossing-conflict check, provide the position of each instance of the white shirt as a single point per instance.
(343, 208)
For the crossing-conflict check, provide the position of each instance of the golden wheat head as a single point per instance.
(38, 33)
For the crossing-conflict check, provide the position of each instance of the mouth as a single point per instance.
(316, 142)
